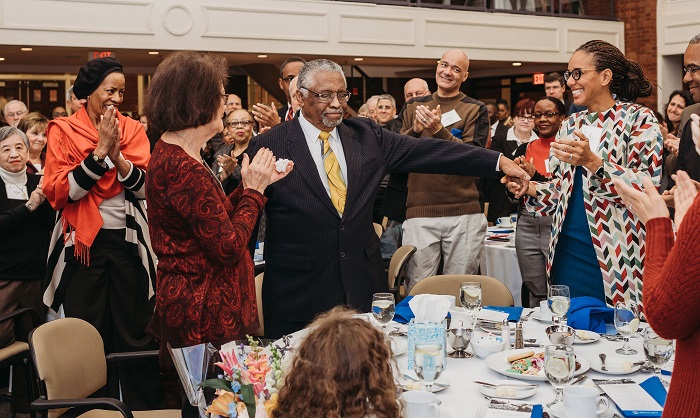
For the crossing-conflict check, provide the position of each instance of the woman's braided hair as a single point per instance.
(628, 82)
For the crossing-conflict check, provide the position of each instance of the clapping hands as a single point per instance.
(261, 171)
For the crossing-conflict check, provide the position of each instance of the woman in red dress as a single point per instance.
(205, 289)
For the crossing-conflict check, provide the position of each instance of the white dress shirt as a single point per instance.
(316, 148)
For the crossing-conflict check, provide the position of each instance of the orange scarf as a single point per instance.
(70, 141)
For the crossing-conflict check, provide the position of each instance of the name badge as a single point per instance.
(450, 117)
(16, 192)
(594, 135)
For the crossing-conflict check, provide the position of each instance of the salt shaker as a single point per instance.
(519, 343)
(505, 334)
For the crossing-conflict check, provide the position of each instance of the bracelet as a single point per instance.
(31, 209)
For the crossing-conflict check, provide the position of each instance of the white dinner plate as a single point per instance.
(594, 337)
(521, 390)
(557, 412)
(498, 362)
(404, 382)
(614, 366)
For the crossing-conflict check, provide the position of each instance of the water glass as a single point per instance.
(657, 350)
(559, 367)
(428, 363)
(383, 308)
(558, 300)
(470, 297)
(626, 323)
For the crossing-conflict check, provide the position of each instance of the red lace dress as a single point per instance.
(205, 289)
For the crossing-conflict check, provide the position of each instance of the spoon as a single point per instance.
(602, 362)
(579, 379)
(413, 379)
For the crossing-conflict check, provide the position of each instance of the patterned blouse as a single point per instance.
(205, 285)
(631, 147)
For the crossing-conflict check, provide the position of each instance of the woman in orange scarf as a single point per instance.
(100, 258)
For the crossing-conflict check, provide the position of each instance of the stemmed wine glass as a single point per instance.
(383, 308)
(428, 363)
(470, 297)
(559, 367)
(657, 350)
(626, 322)
(559, 300)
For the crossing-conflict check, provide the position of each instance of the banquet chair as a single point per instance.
(258, 298)
(493, 292)
(396, 272)
(378, 229)
(70, 365)
(17, 353)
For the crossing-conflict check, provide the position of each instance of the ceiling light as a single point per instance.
(2, 59)
(359, 59)
(153, 52)
(26, 49)
(517, 64)
(262, 56)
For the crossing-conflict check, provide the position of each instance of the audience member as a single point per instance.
(350, 380)
(610, 138)
(206, 289)
(13, 111)
(102, 261)
(555, 86)
(229, 158)
(386, 113)
(3, 102)
(59, 112)
(74, 104)
(504, 121)
(363, 111)
(688, 159)
(288, 71)
(444, 219)
(296, 104)
(34, 126)
(670, 124)
(26, 220)
(415, 87)
(233, 102)
(507, 142)
(372, 106)
(320, 247)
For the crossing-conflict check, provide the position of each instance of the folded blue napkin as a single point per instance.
(656, 389)
(513, 312)
(403, 313)
(589, 313)
(536, 411)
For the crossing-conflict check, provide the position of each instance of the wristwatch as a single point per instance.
(97, 159)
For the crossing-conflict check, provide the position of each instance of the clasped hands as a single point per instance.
(260, 172)
(109, 134)
(427, 119)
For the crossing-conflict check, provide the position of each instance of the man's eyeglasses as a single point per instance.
(527, 118)
(288, 79)
(691, 69)
(576, 73)
(18, 113)
(243, 123)
(342, 96)
(548, 115)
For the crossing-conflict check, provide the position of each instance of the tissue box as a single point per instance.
(426, 333)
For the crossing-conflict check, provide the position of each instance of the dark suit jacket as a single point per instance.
(314, 259)
(282, 111)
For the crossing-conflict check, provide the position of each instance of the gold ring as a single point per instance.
(571, 156)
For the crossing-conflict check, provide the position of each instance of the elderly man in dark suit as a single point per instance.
(321, 249)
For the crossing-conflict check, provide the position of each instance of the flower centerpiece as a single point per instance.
(250, 381)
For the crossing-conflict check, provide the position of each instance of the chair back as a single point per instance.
(493, 292)
(69, 358)
(378, 229)
(397, 264)
(258, 297)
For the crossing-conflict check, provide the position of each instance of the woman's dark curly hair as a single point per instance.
(628, 80)
(342, 369)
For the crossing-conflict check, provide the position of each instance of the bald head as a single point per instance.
(296, 104)
(415, 87)
(233, 102)
(452, 71)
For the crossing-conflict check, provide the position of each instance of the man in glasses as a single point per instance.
(688, 158)
(14, 111)
(289, 69)
(320, 247)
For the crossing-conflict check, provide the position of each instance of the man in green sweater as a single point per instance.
(444, 217)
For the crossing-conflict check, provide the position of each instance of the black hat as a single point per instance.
(92, 73)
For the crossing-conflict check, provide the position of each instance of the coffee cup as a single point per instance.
(545, 313)
(421, 404)
(584, 402)
(504, 221)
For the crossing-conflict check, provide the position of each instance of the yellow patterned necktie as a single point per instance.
(335, 178)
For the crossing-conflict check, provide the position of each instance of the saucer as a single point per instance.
(521, 390)
(558, 411)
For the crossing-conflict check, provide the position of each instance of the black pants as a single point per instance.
(112, 295)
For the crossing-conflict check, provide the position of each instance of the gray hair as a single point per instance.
(14, 102)
(696, 39)
(69, 93)
(8, 131)
(307, 74)
(387, 97)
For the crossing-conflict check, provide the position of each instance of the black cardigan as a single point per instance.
(24, 242)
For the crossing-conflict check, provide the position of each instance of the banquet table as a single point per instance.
(499, 260)
(464, 399)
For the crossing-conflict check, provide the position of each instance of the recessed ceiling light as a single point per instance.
(359, 59)
(153, 52)
(26, 49)
(2, 59)
(517, 64)
(262, 56)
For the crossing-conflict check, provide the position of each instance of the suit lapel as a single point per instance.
(352, 151)
(304, 162)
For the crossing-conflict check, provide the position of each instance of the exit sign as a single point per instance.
(538, 78)
(100, 54)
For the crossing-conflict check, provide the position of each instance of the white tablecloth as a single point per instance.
(498, 260)
(463, 398)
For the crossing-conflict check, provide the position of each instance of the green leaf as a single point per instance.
(248, 396)
(216, 384)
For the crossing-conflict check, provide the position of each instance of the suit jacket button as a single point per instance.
(342, 254)
(342, 227)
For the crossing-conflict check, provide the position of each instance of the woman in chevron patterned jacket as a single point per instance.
(597, 245)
